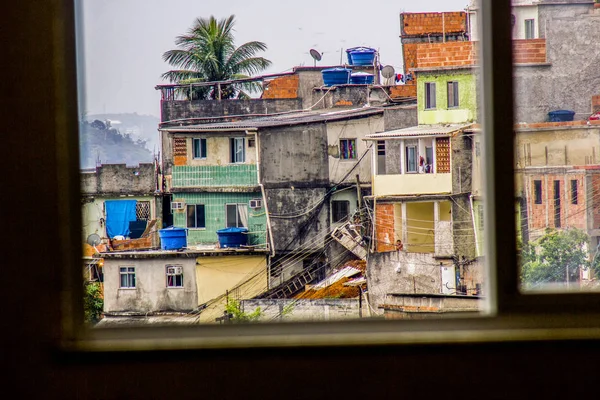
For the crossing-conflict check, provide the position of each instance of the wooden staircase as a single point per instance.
(292, 286)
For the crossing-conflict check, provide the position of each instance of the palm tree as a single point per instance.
(208, 53)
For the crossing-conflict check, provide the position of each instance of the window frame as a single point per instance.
(505, 303)
(574, 191)
(538, 192)
(416, 166)
(131, 277)
(334, 210)
(455, 94)
(345, 155)
(187, 217)
(202, 148)
(167, 275)
(430, 96)
(237, 216)
(529, 29)
(233, 150)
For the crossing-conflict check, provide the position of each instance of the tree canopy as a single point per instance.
(207, 53)
(558, 256)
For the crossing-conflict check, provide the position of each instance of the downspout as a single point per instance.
(262, 190)
(474, 227)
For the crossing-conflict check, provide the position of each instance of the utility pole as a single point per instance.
(360, 203)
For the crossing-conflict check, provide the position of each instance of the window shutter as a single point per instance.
(203, 148)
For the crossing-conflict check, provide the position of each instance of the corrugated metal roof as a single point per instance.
(294, 118)
(420, 130)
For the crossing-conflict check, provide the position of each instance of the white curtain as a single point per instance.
(243, 214)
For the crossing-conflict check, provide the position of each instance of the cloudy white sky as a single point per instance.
(123, 40)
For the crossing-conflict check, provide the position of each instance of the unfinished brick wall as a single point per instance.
(434, 22)
(449, 54)
(408, 90)
(384, 227)
(596, 103)
(529, 51)
(284, 87)
(542, 216)
(180, 151)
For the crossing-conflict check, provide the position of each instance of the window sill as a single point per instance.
(474, 329)
(127, 288)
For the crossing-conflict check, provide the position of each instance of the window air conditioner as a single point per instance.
(256, 203)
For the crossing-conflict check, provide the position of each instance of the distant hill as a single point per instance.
(144, 127)
(102, 143)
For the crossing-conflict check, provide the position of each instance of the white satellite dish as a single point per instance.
(93, 239)
(389, 74)
(315, 55)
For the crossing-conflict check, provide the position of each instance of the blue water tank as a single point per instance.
(336, 76)
(561, 115)
(361, 78)
(173, 238)
(361, 55)
(232, 237)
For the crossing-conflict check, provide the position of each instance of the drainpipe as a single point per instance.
(262, 190)
(474, 227)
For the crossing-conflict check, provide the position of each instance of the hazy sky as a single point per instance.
(124, 39)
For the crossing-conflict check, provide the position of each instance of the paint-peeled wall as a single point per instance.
(150, 293)
(216, 217)
(465, 111)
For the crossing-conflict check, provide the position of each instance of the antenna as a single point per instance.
(388, 72)
(93, 240)
(315, 55)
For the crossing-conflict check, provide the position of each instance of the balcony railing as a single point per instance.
(412, 184)
(234, 175)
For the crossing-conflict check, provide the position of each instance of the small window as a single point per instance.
(430, 95)
(238, 150)
(251, 143)
(530, 29)
(573, 191)
(236, 215)
(537, 191)
(127, 275)
(142, 211)
(411, 159)
(340, 209)
(428, 160)
(199, 148)
(381, 147)
(348, 149)
(452, 94)
(196, 217)
(174, 276)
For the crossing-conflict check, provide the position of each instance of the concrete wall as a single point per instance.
(294, 156)
(402, 272)
(351, 129)
(340, 96)
(151, 292)
(93, 214)
(119, 178)
(218, 149)
(407, 184)
(180, 109)
(304, 309)
(421, 307)
(572, 79)
(399, 117)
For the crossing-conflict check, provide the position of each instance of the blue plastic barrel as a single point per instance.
(361, 78)
(361, 55)
(173, 238)
(232, 237)
(336, 76)
(561, 115)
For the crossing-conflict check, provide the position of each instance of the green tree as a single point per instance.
(556, 256)
(93, 302)
(207, 53)
(234, 308)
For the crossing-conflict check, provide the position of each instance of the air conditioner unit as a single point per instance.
(255, 203)
(177, 205)
(174, 270)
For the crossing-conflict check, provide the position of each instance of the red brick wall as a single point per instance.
(596, 103)
(445, 54)
(528, 51)
(408, 90)
(384, 226)
(571, 215)
(435, 22)
(284, 87)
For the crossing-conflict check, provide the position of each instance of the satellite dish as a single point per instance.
(315, 55)
(388, 71)
(93, 240)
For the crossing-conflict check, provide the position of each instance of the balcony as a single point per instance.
(412, 184)
(215, 176)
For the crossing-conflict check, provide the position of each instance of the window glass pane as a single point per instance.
(191, 216)
(556, 146)
(200, 221)
(231, 215)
